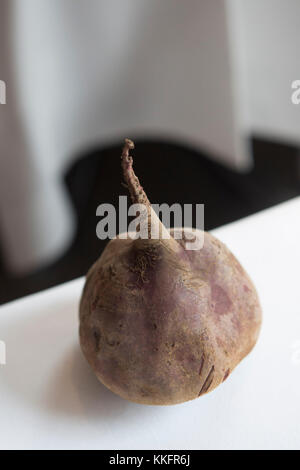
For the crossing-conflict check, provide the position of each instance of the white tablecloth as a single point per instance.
(49, 398)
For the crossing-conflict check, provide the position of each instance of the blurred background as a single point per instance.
(203, 87)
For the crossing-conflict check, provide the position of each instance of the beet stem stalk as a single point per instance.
(137, 193)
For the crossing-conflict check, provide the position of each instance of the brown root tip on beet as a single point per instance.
(137, 194)
(129, 144)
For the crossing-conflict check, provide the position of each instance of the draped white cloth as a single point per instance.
(80, 74)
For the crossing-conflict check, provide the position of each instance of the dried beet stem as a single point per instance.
(138, 196)
(137, 193)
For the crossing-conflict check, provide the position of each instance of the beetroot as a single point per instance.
(160, 324)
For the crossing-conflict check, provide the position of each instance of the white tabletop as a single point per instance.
(49, 398)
